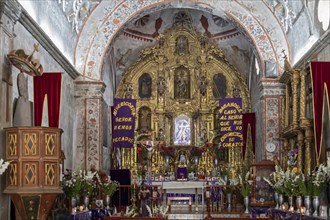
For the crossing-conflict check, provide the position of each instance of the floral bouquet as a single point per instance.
(3, 166)
(217, 152)
(88, 182)
(291, 186)
(305, 185)
(320, 176)
(245, 185)
(292, 157)
(196, 152)
(207, 146)
(71, 183)
(167, 151)
(276, 180)
(233, 182)
(142, 152)
(108, 186)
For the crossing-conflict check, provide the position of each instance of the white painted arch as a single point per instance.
(253, 16)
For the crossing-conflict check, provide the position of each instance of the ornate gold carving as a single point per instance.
(50, 148)
(182, 66)
(12, 145)
(30, 173)
(295, 83)
(13, 174)
(50, 173)
(300, 143)
(30, 144)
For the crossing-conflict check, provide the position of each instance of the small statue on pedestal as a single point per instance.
(144, 197)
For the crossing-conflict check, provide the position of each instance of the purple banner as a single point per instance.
(123, 122)
(231, 122)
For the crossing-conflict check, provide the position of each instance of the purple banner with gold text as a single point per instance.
(123, 122)
(231, 122)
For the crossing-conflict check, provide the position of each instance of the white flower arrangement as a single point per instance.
(277, 179)
(3, 166)
(157, 211)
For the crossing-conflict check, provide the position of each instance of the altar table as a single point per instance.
(195, 189)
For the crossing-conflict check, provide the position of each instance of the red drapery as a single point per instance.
(48, 84)
(249, 119)
(320, 82)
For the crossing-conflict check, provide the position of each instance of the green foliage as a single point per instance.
(110, 187)
(245, 189)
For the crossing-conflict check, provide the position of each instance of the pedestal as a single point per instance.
(33, 176)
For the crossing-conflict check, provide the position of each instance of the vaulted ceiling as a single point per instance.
(240, 28)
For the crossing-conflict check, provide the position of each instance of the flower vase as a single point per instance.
(107, 201)
(246, 204)
(229, 202)
(280, 200)
(298, 203)
(86, 202)
(215, 162)
(73, 204)
(167, 160)
(307, 203)
(291, 208)
(276, 200)
(316, 203)
(196, 160)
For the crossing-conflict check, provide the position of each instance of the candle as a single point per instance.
(81, 208)
(283, 207)
(302, 210)
(291, 209)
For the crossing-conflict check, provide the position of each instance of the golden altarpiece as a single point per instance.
(177, 84)
(297, 122)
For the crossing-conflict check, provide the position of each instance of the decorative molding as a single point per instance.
(319, 45)
(12, 11)
(48, 44)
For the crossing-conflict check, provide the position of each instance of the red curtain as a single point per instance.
(249, 119)
(320, 82)
(48, 84)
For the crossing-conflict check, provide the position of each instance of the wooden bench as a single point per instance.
(177, 198)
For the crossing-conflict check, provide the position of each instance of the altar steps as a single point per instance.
(182, 212)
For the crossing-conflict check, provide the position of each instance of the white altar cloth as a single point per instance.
(182, 187)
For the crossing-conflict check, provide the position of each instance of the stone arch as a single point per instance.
(110, 16)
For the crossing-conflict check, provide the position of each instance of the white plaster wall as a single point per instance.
(51, 18)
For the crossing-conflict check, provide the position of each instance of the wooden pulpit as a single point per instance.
(33, 175)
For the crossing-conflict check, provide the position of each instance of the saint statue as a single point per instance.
(182, 85)
(203, 85)
(23, 108)
(181, 46)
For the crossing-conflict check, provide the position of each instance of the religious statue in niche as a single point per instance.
(203, 133)
(236, 92)
(203, 85)
(145, 83)
(182, 84)
(161, 86)
(181, 45)
(144, 119)
(219, 87)
(23, 107)
(128, 91)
